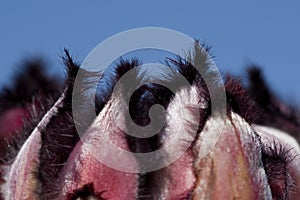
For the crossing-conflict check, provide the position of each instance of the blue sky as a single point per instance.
(241, 33)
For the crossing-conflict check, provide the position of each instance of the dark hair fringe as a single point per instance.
(239, 101)
(276, 159)
(28, 83)
(59, 136)
(273, 111)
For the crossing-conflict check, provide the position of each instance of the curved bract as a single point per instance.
(252, 151)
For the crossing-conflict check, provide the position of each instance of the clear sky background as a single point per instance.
(241, 32)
